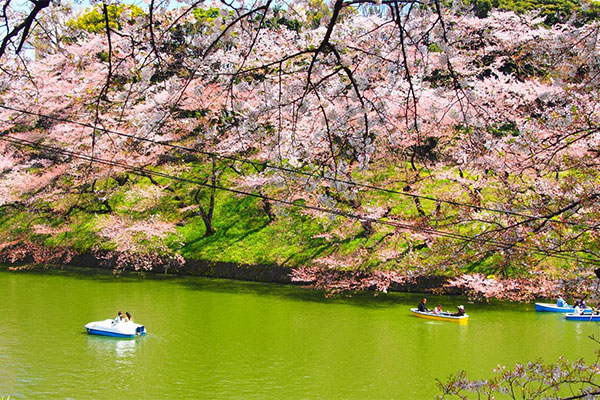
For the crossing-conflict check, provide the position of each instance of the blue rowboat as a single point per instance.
(587, 317)
(550, 307)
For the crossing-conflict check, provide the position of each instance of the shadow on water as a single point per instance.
(367, 299)
(98, 275)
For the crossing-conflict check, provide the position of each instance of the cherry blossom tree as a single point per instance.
(503, 108)
(533, 380)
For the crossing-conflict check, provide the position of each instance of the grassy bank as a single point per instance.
(136, 214)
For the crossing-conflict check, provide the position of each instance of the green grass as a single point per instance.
(245, 235)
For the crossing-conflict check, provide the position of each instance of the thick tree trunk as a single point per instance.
(267, 207)
(207, 219)
(207, 214)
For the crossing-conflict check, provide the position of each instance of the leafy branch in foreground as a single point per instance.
(563, 380)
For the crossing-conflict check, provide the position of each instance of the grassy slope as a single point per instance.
(244, 233)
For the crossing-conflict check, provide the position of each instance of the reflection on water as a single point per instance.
(123, 349)
(580, 326)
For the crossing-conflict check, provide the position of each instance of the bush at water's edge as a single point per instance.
(476, 286)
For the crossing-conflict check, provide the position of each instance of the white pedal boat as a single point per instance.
(109, 327)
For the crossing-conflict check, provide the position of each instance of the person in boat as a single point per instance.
(582, 304)
(128, 317)
(560, 302)
(437, 309)
(460, 312)
(119, 317)
(577, 309)
(422, 307)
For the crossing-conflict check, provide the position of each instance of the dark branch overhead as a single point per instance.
(22, 28)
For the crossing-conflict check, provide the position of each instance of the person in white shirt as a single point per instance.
(119, 317)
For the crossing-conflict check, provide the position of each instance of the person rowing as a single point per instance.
(422, 307)
(460, 312)
(578, 310)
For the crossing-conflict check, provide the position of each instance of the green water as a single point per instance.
(224, 339)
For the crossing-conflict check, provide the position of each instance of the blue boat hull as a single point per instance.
(549, 307)
(583, 317)
(104, 333)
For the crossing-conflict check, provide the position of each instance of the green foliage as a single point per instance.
(523, 66)
(280, 19)
(206, 16)
(504, 129)
(17, 128)
(554, 11)
(591, 12)
(102, 56)
(206, 19)
(481, 8)
(182, 113)
(520, 63)
(434, 48)
(317, 10)
(439, 78)
(93, 21)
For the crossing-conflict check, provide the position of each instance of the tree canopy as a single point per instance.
(418, 138)
(93, 20)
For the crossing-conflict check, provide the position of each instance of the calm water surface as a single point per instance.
(224, 339)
